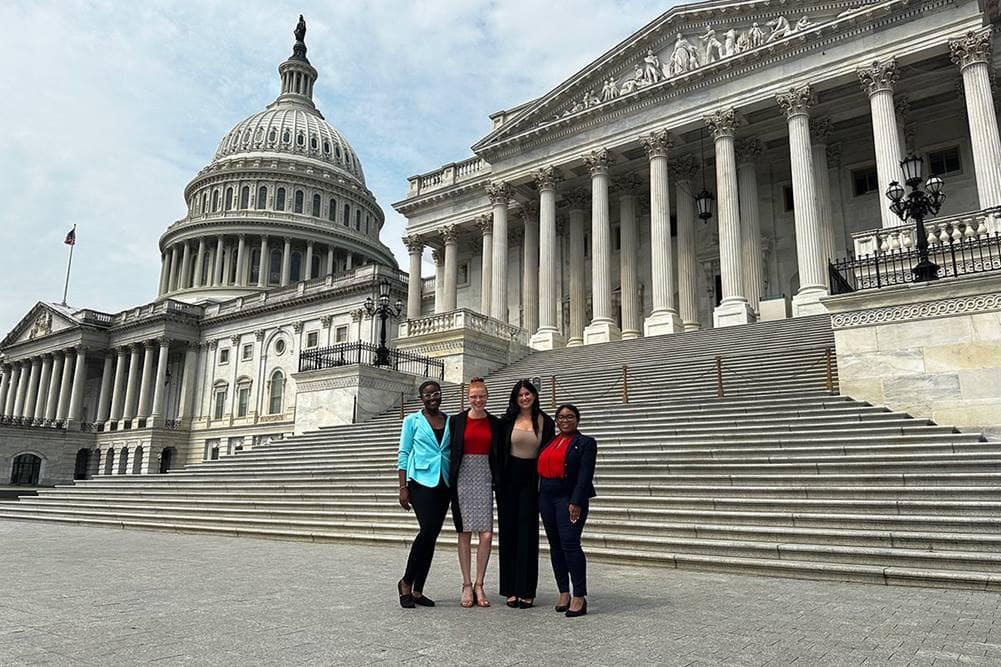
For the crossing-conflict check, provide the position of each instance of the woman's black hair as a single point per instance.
(568, 406)
(512, 403)
(427, 383)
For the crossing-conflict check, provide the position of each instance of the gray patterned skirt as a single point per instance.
(473, 489)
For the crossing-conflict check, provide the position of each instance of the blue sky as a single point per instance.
(110, 108)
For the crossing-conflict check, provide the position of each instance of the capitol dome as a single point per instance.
(283, 201)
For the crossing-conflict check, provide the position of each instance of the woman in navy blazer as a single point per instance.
(566, 473)
(423, 463)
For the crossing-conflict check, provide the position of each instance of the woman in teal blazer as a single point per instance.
(423, 463)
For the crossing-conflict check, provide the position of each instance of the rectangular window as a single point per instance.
(945, 161)
(787, 198)
(224, 356)
(312, 339)
(347, 215)
(463, 271)
(864, 181)
(220, 403)
(243, 400)
(341, 334)
(248, 351)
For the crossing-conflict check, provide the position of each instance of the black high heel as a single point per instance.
(581, 612)
(406, 599)
(562, 608)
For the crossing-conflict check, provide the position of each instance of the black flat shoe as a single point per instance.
(406, 599)
(512, 603)
(525, 604)
(581, 612)
(423, 601)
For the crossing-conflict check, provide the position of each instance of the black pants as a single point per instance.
(565, 551)
(430, 506)
(518, 529)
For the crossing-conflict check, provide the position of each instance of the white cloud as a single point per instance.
(111, 108)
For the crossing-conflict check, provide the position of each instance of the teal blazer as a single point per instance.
(425, 461)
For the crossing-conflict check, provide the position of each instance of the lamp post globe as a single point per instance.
(917, 205)
(383, 310)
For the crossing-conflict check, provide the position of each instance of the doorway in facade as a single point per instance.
(166, 459)
(27, 468)
(82, 466)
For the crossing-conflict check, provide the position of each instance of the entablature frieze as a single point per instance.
(283, 169)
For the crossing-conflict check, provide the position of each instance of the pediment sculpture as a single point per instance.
(42, 326)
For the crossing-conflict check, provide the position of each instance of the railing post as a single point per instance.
(403, 399)
(552, 384)
(625, 383)
(830, 370)
(719, 376)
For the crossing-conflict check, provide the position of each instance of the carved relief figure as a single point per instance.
(803, 24)
(685, 57)
(651, 67)
(609, 91)
(638, 78)
(756, 35)
(730, 43)
(780, 28)
(42, 326)
(714, 50)
(744, 42)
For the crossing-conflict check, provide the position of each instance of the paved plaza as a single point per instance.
(94, 596)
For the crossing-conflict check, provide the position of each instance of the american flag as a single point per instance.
(70, 237)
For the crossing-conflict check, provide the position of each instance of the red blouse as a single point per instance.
(553, 458)
(477, 438)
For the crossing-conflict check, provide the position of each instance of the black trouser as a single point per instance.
(430, 506)
(565, 551)
(518, 529)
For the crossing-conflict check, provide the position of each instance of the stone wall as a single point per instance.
(347, 395)
(932, 350)
(56, 448)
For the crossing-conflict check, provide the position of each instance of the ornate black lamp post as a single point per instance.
(384, 310)
(917, 205)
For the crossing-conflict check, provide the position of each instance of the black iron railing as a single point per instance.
(360, 352)
(895, 267)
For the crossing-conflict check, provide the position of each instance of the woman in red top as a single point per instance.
(566, 473)
(474, 434)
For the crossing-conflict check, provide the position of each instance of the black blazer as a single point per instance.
(503, 455)
(457, 428)
(578, 469)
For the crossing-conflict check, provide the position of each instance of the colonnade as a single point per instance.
(740, 256)
(44, 390)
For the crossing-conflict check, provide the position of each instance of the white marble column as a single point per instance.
(973, 56)
(241, 259)
(199, 264)
(286, 262)
(627, 187)
(530, 267)
(22, 388)
(820, 134)
(308, 269)
(118, 387)
(485, 224)
(5, 377)
(330, 260)
(577, 201)
(733, 308)
(415, 249)
(602, 328)
(812, 275)
(31, 397)
(264, 266)
(65, 385)
(145, 388)
(164, 273)
(548, 336)
(217, 270)
(500, 194)
(44, 380)
(664, 318)
(878, 81)
(748, 152)
(182, 281)
(79, 386)
(104, 397)
(175, 268)
(13, 394)
(450, 239)
(52, 397)
(184, 411)
(132, 384)
(438, 255)
(160, 382)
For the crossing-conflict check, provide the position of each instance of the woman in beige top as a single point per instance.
(526, 428)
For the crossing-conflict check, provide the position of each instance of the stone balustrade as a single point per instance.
(463, 318)
(447, 175)
(973, 224)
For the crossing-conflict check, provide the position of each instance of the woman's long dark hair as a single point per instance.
(512, 404)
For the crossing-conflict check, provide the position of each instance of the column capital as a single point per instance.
(880, 76)
(162, 341)
(683, 168)
(598, 161)
(797, 100)
(150, 343)
(547, 177)
(260, 333)
(264, 238)
(627, 185)
(485, 223)
(297, 327)
(287, 240)
(722, 123)
(499, 192)
(748, 149)
(414, 243)
(235, 339)
(437, 255)
(212, 344)
(530, 212)
(325, 322)
(657, 144)
(577, 199)
(310, 244)
(449, 234)
(974, 47)
(820, 130)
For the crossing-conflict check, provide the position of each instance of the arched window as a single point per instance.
(358, 220)
(166, 459)
(229, 199)
(280, 199)
(26, 470)
(300, 139)
(315, 266)
(313, 143)
(287, 137)
(123, 461)
(326, 147)
(262, 197)
(276, 393)
(276, 267)
(316, 206)
(245, 197)
(347, 215)
(81, 470)
(255, 265)
(205, 204)
(273, 136)
(109, 461)
(137, 461)
(299, 197)
(215, 200)
(332, 211)
(296, 272)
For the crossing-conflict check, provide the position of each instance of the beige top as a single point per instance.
(525, 444)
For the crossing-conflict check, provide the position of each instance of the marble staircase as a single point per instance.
(780, 476)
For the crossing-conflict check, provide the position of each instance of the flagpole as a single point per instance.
(69, 264)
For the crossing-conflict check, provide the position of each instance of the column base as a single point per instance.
(693, 326)
(631, 334)
(575, 341)
(601, 331)
(663, 322)
(733, 313)
(547, 339)
(807, 302)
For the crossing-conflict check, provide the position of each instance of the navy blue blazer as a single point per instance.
(578, 468)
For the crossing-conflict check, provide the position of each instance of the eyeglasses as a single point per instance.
(434, 394)
(566, 418)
